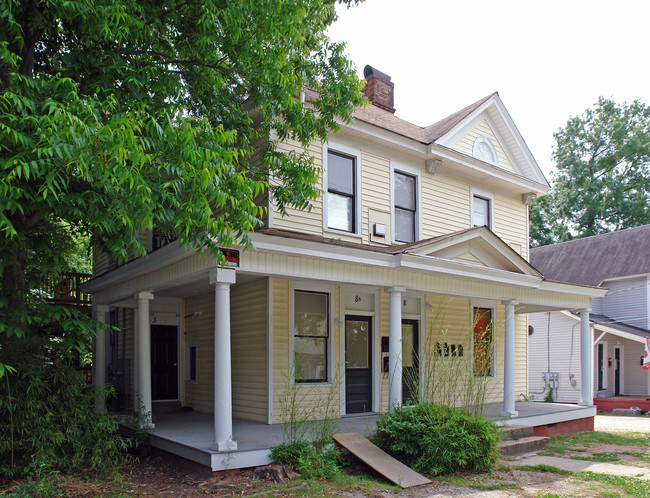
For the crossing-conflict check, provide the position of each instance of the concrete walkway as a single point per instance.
(583, 466)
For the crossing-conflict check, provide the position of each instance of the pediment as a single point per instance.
(478, 247)
(492, 122)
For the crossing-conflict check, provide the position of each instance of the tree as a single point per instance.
(120, 116)
(602, 181)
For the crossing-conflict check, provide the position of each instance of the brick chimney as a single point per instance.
(379, 88)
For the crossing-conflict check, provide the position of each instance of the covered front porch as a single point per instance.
(190, 435)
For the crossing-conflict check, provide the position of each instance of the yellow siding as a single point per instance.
(449, 320)
(466, 144)
(376, 183)
(510, 222)
(304, 221)
(199, 394)
(445, 205)
(307, 402)
(248, 311)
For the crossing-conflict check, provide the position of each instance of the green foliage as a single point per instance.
(118, 117)
(603, 175)
(549, 396)
(437, 439)
(630, 486)
(48, 422)
(306, 458)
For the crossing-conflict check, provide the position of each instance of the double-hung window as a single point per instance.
(483, 342)
(311, 335)
(405, 207)
(481, 211)
(341, 192)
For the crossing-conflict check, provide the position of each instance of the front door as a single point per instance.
(164, 362)
(617, 371)
(601, 366)
(410, 371)
(358, 364)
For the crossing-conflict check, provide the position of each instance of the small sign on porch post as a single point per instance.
(232, 256)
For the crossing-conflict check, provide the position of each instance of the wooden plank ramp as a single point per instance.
(393, 470)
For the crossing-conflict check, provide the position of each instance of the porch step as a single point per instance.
(516, 440)
(512, 432)
(524, 445)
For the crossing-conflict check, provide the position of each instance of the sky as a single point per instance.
(549, 60)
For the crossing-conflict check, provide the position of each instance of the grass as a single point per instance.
(544, 468)
(475, 482)
(626, 486)
(581, 443)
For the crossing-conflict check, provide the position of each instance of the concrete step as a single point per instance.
(516, 432)
(528, 444)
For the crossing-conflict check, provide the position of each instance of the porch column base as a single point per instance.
(510, 414)
(226, 446)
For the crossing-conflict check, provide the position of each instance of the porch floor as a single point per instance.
(191, 434)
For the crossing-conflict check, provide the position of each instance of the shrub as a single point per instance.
(306, 459)
(436, 439)
(47, 416)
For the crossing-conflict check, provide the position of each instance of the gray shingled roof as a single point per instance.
(623, 327)
(591, 260)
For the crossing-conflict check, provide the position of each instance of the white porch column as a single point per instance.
(222, 280)
(509, 362)
(395, 347)
(586, 354)
(143, 398)
(101, 315)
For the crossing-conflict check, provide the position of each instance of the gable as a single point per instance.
(477, 247)
(491, 119)
(465, 144)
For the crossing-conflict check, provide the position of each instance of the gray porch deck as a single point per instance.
(191, 434)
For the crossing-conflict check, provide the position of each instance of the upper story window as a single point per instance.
(484, 149)
(311, 336)
(481, 211)
(341, 191)
(483, 341)
(405, 207)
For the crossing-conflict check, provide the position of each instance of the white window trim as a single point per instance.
(493, 355)
(356, 154)
(330, 290)
(395, 167)
(485, 195)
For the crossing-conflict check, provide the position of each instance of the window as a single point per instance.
(484, 149)
(311, 334)
(483, 340)
(341, 192)
(481, 211)
(191, 358)
(405, 207)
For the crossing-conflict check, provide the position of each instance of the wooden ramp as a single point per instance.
(393, 470)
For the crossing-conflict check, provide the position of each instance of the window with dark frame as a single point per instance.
(483, 341)
(341, 192)
(192, 361)
(311, 335)
(481, 212)
(405, 207)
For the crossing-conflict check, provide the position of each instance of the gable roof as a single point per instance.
(591, 260)
(491, 250)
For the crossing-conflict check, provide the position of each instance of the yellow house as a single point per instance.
(415, 255)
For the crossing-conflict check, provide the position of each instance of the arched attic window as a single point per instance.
(484, 149)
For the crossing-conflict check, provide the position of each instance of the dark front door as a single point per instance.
(164, 362)
(358, 364)
(410, 371)
(601, 366)
(617, 371)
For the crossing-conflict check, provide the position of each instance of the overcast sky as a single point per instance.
(548, 60)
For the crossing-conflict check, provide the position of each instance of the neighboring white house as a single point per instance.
(620, 321)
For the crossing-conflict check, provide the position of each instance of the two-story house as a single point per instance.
(416, 251)
(620, 321)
